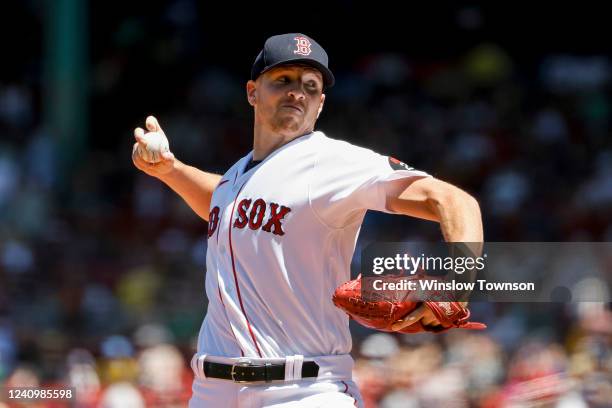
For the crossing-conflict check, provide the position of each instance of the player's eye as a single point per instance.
(283, 79)
(312, 86)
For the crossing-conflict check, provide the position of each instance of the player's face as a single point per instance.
(287, 99)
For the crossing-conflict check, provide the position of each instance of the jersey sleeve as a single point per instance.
(348, 180)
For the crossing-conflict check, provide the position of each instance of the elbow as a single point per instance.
(471, 203)
(458, 213)
(447, 196)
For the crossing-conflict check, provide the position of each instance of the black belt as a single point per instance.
(246, 372)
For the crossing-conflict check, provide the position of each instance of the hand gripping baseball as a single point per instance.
(151, 152)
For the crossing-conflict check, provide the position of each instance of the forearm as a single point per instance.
(193, 185)
(460, 221)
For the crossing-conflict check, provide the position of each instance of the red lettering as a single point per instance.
(242, 219)
(213, 221)
(275, 219)
(257, 213)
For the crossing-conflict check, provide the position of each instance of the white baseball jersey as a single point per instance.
(281, 238)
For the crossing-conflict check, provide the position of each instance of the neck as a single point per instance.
(266, 141)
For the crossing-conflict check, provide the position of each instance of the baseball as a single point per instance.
(157, 143)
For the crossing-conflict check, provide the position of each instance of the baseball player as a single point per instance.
(282, 226)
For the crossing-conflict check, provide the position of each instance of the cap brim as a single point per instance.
(328, 77)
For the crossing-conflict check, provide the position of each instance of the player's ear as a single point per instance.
(251, 90)
(321, 105)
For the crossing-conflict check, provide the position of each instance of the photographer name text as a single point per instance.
(432, 285)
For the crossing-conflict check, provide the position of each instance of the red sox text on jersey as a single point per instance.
(253, 218)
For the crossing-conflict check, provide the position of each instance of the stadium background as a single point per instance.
(102, 268)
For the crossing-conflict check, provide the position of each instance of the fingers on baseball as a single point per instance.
(410, 319)
(152, 124)
(139, 136)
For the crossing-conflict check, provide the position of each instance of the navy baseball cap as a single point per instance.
(294, 48)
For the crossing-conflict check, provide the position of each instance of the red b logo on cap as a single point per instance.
(303, 46)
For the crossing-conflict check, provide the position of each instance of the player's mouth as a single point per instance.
(293, 107)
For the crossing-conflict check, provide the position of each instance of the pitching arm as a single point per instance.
(193, 185)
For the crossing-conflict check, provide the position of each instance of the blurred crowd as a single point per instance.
(102, 272)
(508, 365)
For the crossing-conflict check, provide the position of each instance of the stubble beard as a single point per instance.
(285, 124)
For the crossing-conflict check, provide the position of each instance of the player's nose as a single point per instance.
(297, 92)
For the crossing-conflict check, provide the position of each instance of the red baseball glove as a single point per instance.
(381, 310)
